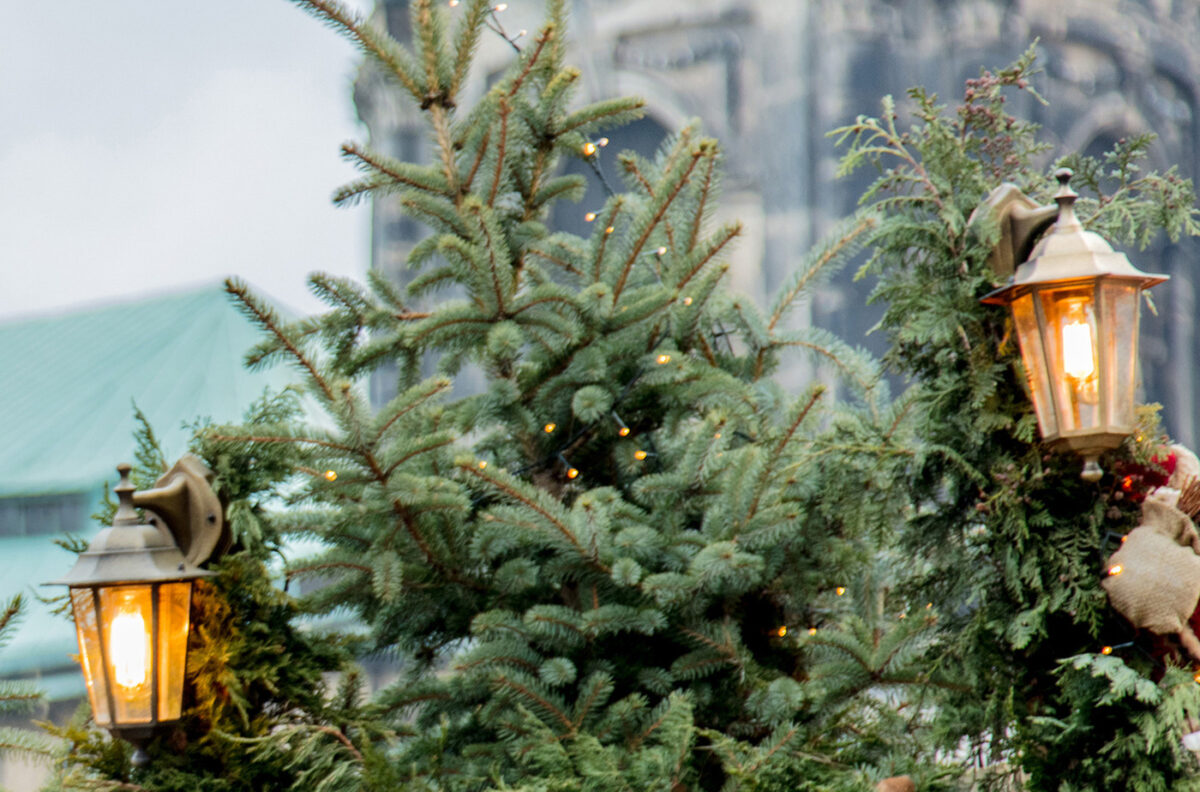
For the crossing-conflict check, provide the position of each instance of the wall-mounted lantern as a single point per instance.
(1075, 304)
(131, 594)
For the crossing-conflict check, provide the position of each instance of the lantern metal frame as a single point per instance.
(185, 526)
(1069, 260)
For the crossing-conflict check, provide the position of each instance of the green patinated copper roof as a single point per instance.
(67, 384)
(67, 388)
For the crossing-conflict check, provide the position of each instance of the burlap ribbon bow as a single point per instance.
(1154, 578)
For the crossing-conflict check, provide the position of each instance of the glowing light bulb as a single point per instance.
(500, 7)
(589, 149)
(1196, 679)
(717, 436)
(687, 300)
(610, 229)
(1107, 650)
(483, 464)
(128, 648)
(454, 3)
(639, 455)
(662, 251)
(782, 631)
(623, 431)
(602, 142)
(331, 475)
(840, 590)
(1079, 358)
(1115, 570)
(550, 427)
(573, 473)
(663, 359)
(812, 630)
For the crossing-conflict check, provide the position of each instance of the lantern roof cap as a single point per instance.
(1070, 253)
(130, 551)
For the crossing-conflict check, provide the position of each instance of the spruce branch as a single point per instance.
(266, 318)
(373, 42)
(705, 149)
(507, 487)
(466, 41)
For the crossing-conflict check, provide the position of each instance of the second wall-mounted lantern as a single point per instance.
(131, 594)
(1075, 303)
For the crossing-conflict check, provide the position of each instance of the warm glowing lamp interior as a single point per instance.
(129, 648)
(1079, 355)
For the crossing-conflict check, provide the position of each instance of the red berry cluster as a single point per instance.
(1136, 481)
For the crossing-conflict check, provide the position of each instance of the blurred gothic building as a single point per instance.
(770, 77)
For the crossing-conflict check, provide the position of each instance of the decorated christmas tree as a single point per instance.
(633, 560)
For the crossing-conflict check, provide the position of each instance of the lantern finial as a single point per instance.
(126, 514)
(1065, 198)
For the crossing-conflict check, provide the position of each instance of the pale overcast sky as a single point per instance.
(150, 145)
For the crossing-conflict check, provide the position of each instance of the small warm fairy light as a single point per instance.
(1124, 539)
(602, 142)
(500, 7)
(662, 251)
(782, 631)
(550, 427)
(572, 473)
(687, 300)
(522, 33)
(812, 630)
(589, 149)
(639, 455)
(1115, 570)
(663, 359)
(610, 229)
(623, 431)
(840, 590)
(928, 606)
(483, 464)
(1107, 650)
(454, 3)
(1196, 679)
(1127, 483)
(717, 436)
(902, 616)
(331, 475)
(590, 216)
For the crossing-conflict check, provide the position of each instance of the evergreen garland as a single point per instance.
(1011, 543)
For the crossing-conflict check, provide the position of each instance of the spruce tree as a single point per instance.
(622, 564)
(633, 561)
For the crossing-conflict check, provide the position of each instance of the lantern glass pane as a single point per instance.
(1072, 351)
(1119, 306)
(83, 605)
(1032, 356)
(174, 601)
(128, 618)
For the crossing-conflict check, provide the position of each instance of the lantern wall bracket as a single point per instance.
(184, 501)
(1021, 221)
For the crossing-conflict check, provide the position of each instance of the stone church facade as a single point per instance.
(770, 77)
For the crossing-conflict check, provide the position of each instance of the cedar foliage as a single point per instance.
(1011, 542)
